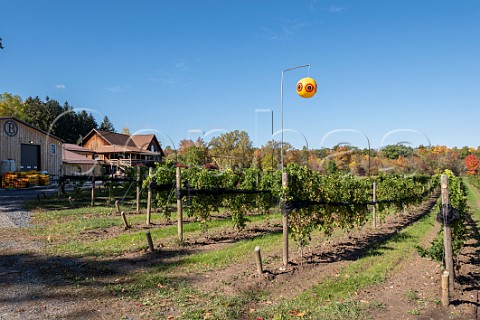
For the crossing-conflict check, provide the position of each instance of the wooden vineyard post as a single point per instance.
(447, 232)
(71, 201)
(285, 222)
(61, 186)
(149, 197)
(178, 184)
(374, 212)
(150, 241)
(445, 291)
(258, 260)
(122, 213)
(92, 201)
(138, 189)
(125, 222)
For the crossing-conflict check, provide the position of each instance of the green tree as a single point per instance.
(269, 155)
(192, 153)
(331, 167)
(232, 149)
(464, 152)
(106, 125)
(66, 125)
(395, 151)
(170, 154)
(12, 106)
(85, 123)
(35, 109)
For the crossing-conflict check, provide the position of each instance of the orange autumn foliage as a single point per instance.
(472, 163)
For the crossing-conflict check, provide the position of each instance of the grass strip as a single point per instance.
(127, 242)
(473, 199)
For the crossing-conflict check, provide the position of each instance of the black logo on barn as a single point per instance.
(11, 128)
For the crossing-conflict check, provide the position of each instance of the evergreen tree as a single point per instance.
(106, 125)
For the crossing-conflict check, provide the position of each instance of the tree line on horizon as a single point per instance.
(63, 121)
(234, 150)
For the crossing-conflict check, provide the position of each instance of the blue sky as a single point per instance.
(387, 71)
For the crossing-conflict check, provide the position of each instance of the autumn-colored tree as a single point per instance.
(472, 163)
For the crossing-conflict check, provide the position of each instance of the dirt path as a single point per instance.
(411, 292)
(414, 291)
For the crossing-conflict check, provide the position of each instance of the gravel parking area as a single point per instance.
(20, 280)
(12, 214)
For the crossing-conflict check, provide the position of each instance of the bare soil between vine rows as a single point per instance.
(38, 286)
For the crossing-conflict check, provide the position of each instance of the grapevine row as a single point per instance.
(315, 201)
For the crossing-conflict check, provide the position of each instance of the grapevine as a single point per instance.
(313, 201)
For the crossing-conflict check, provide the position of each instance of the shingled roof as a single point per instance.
(124, 143)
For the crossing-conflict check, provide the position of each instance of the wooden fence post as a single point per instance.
(178, 183)
(374, 212)
(447, 233)
(149, 197)
(285, 223)
(138, 189)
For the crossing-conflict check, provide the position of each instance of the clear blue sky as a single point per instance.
(392, 71)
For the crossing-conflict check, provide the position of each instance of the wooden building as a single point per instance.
(29, 148)
(77, 160)
(119, 151)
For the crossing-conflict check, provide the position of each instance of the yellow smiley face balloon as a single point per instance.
(306, 87)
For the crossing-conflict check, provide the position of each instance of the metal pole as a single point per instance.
(281, 109)
(284, 175)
